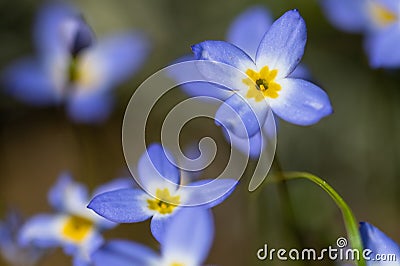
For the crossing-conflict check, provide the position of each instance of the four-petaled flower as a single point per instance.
(381, 246)
(72, 68)
(187, 242)
(73, 227)
(161, 179)
(379, 20)
(266, 79)
(246, 32)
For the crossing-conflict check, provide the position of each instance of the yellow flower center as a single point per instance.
(165, 203)
(265, 85)
(77, 228)
(381, 15)
(177, 264)
(81, 73)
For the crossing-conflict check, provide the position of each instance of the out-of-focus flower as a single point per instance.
(384, 250)
(10, 249)
(161, 178)
(378, 20)
(187, 241)
(268, 81)
(73, 227)
(72, 68)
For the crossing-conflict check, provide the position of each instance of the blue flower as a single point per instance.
(187, 241)
(10, 248)
(378, 20)
(380, 244)
(72, 68)
(73, 227)
(160, 178)
(268, 79)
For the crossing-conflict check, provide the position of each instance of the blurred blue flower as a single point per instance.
(160, 177)
(380, 244)
(268, 81)
(73, 227)
(187, 241)
(72, 68)
(378, 20)
(10, 249)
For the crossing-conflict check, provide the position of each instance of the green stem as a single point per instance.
(350, 221)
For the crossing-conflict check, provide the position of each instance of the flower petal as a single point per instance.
(54, 29)
(283, 45)
(67, 195)
(243, 117)
(194, 89)
(114, 59)
(119, 183)
(42, 230)
(251, 146)
(124, 253)
(121, 206)
(247, 30)
(382, 47)
(28, 81)
(346, 15)
(160, 223)
(90, 108)
(223, 52)
(83, 250)
(377, 241)
(189, 237)
(301, 72)
(301, 102)
(157, 169)
(208, 192)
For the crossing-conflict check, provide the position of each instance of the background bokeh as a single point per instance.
(356, 150)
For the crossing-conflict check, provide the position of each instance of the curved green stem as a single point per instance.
(348, 216)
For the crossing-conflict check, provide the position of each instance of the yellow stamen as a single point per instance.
(177, 264)
(164, 203)
(81, 73)
(77, 228)
(381, 15)
(265, 85)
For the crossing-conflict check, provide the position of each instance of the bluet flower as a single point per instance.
(187, 242)
(161, 179)
(246, 32)
(268, 79)
(73, 226)
(381, 246)
(71, 67)
(378, 20)
(10, 248)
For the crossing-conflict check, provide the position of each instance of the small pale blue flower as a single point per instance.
(10, 248)
(380, 244)
(268, 78)
(161, 179)
(73, 227)
(71, 67)
(187, 241)
(246, 32)
(378, 20)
